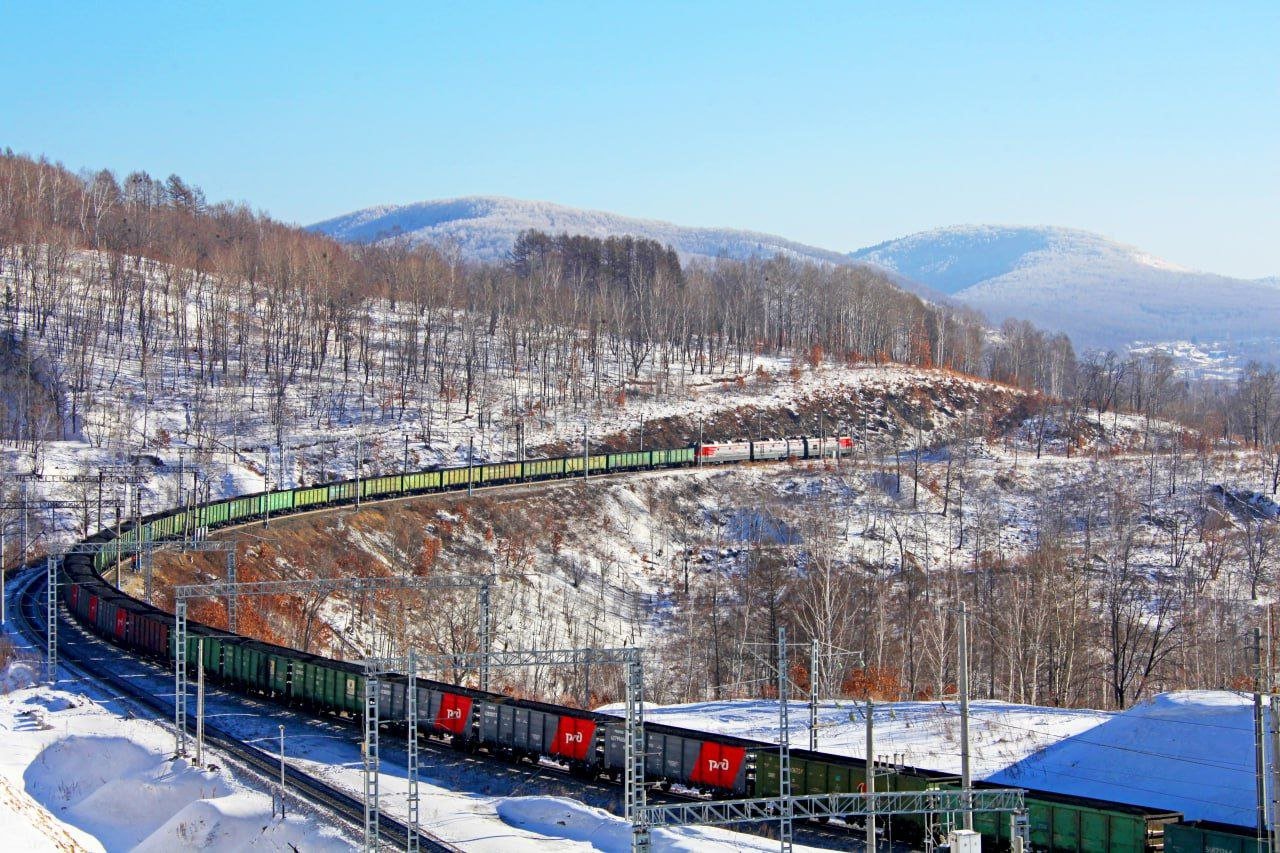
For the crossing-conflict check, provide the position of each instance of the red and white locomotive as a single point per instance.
(828, 447)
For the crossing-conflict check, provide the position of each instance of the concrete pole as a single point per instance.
(3, 555)
(966, 781)
(282, 771)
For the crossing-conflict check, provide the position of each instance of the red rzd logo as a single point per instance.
(573, 737)
(452, 714)
(722, 764)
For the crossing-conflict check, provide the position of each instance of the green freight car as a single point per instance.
(1061, 823)
(816, 773)
(1203, 836)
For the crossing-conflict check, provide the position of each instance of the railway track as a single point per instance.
(76, 652)
(30, 621)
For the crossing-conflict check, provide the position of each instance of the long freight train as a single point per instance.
(588, 743)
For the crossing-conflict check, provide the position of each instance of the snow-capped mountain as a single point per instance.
(485, 228)
(1100, 292)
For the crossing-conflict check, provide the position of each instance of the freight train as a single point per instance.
(589, 744)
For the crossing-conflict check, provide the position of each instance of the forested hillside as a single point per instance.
(220, 352)
(196, 298)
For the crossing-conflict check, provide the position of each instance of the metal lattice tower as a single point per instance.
(374, 668)
(146, 558)
(814, 662)
(633, 758)
(51, 639)
(486, 641)
(180, 675)
(411, 712)
(233, 600)
(784, 748)
(144, 549)
(372, 839)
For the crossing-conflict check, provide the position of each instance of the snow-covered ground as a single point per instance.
(79, 770)
(74, 775)
(77, 775)
(1189, 752)
(919, 734)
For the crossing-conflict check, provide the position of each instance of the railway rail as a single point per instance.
(77, 650)
(30, 622)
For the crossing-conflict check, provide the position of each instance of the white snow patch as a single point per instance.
(587, 828)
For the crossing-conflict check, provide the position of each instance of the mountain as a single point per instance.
(1100, 292)
(485, 227)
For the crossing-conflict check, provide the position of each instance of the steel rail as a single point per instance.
(346, 807)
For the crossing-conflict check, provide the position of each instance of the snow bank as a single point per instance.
(74, 775)
(1190, 751)
(596, 829)
(921, 734)
(17, 675)
(234, 822)
(114, 789)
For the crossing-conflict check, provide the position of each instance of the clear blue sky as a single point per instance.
(840, 125)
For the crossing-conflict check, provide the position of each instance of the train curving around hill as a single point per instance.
(590, 744)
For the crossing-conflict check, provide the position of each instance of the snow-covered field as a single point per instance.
(1190, 751)
(77, 775)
